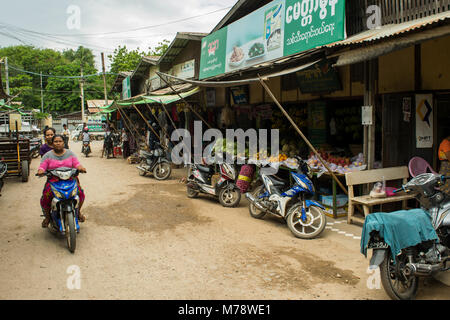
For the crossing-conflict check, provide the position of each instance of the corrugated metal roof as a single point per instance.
(178, 44)
(94, 105)
(391, 30)
(178, 87)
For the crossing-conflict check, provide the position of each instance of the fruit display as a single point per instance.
(348, 123)
(335, 163)
(291, 143)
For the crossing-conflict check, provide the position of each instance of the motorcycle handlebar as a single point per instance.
(49, 174)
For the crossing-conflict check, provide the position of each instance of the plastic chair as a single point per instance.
(418, 165)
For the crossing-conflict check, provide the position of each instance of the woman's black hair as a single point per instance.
(46, 129)
(56, 136)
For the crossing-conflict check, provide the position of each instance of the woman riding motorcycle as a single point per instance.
(57, 158)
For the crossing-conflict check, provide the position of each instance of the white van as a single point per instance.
(96, 130)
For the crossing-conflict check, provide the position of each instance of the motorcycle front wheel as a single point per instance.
(142, 173)
(397, 285)
(229, 197)
(71, 235)
(254, 211)
(162, 171)
(310, 228)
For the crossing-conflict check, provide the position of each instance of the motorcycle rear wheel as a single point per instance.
(191, 193)
(308, 229)
(395, 283)
(71, 235)
(255, 212)
(162, 171)
(229, 198)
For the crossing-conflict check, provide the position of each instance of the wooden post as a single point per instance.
(301, 134)
(369, 100)
(146, 122)
(124, 116)
(156, 118)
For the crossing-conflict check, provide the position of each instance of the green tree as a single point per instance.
(61, 95)
(125, 60)
(161, 48)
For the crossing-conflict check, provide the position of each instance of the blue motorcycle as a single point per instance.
(65, 205)
(305, 217)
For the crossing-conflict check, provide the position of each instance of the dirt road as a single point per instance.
(144, 239)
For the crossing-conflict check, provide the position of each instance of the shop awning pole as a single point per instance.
(189, 106)
(301, 134)
(124, 116)
(146, 122)
(156, 118)
(125, 121)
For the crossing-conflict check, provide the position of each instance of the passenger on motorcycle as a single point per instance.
(48, 136)
(86, 136)
(58, 158)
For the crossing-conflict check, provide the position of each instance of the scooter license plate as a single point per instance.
(378, 245)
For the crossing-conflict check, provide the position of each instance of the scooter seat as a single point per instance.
(205, 169)
(277, 181)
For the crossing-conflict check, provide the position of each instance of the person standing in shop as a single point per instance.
(444, 157)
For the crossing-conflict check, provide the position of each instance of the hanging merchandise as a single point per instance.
(227, 117)
(175, 114)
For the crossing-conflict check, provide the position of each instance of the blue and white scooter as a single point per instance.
(65, 205)
(305, 218)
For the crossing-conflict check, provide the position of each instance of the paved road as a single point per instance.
(145, 239)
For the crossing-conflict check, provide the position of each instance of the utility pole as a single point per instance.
(82, 95)
(7, 78)
(42, 97)
(104, 79)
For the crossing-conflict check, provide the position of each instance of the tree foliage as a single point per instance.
(63, 95)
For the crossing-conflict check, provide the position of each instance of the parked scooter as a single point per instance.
(65, 205)
(200, 181)
(400, 279)
(3, 170)
(155, 162)
(305, 218)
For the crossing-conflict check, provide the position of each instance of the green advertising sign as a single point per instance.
(126, 88)
(278, 29)
(319, 78)
(212, 59)
(314, 23)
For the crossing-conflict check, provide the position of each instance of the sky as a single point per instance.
(103, 25)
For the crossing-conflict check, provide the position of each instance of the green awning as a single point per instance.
(6, 108)
(165, 99)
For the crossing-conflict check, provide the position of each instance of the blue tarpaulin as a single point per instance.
(399, 229)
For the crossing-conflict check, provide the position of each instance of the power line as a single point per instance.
(118, 32)
(62, 77)
(38, 37)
